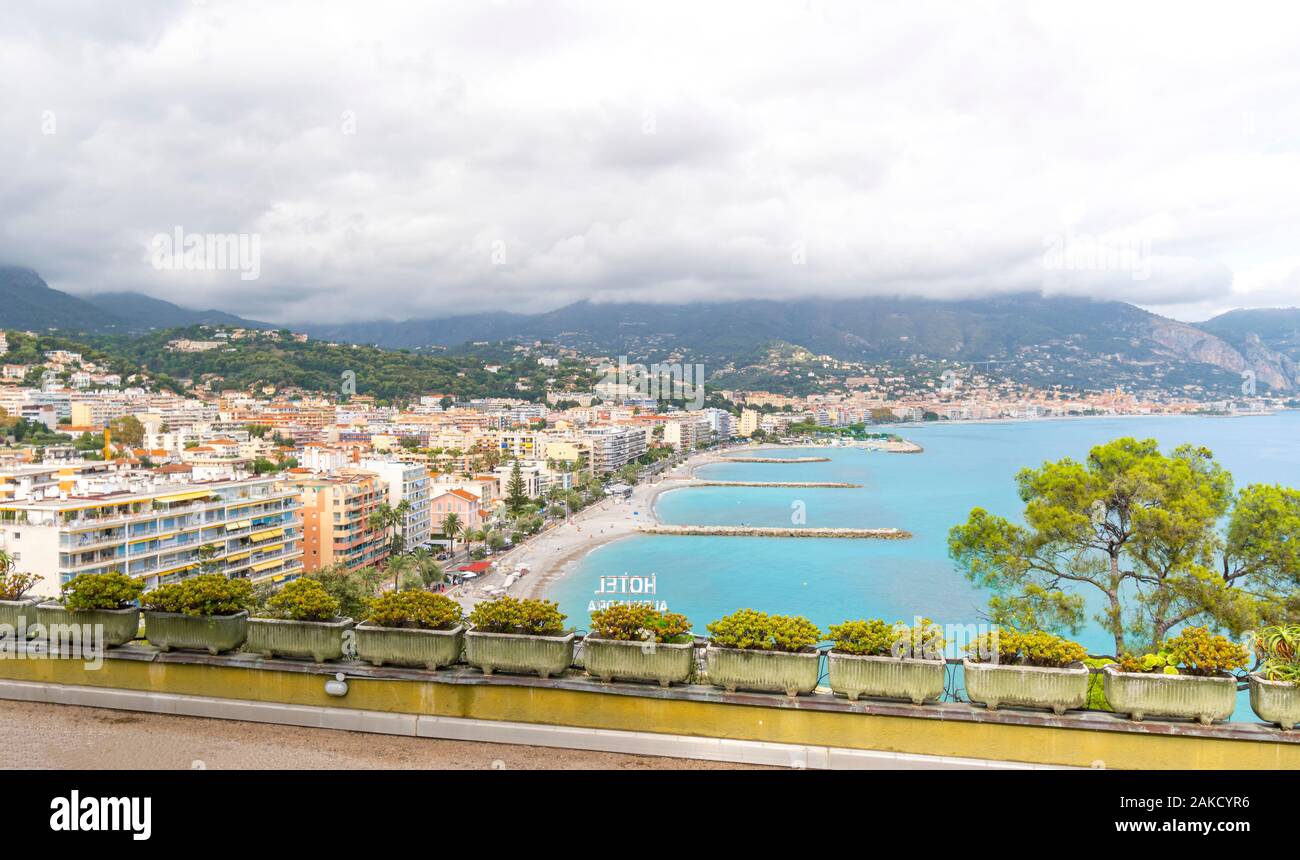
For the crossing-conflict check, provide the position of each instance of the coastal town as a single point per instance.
(103, 471)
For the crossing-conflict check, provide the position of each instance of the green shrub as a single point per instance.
(303, 600)
(1012, 647)
(353, 589)
(418, 609)
(201, 594)
(112, 590)
(639, 623)
(510, 615)
(1195, 651)
(1278, 648)
(14, 585)
(875, 638)
(751, 630)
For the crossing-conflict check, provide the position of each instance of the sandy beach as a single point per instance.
(551, 554)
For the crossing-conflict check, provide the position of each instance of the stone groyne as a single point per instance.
(774, 459)
(817, 484)
(779, 531)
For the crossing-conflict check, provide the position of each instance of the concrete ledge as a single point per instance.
(490, 731)
(573, 706)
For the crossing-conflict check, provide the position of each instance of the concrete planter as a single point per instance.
(514, 653)
(1276, 702)
(19, 613)
(120, 626)
(995, 685)
(276, 637)
(735, 669)
(1152, 694)
(856, 675)
(406, 646)
(611, 659)
(211, 633)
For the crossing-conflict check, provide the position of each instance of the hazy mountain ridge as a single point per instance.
(1044, 340)
(27, 302)
(1085, 342)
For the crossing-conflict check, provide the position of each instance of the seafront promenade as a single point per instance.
(549, 556)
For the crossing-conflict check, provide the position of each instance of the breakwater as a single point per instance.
(781, 531)
(774, 459)
(819, 484)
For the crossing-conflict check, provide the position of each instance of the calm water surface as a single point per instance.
(964, 465)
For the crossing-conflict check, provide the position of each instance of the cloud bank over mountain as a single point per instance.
(467, 156)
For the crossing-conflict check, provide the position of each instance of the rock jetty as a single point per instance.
(779, 531)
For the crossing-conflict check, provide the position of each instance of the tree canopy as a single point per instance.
(1163, 538)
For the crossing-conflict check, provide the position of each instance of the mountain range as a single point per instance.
(1071, 341)
(27, 302)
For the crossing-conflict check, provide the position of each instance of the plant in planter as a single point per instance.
(521, 636)
(412, 628)
(750, 650)
(891, 661)
(204, 612)
(106, 600)
(299, 620)
(1034, 670)
(1189, 677)
(636, 642)
(16, 608)
(1275, 687)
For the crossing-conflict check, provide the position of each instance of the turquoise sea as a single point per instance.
(964, 465)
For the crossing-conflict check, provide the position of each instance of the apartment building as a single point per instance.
(685, 434)
(614, 447)
(406, 482)
(336, 520)
(153, 530)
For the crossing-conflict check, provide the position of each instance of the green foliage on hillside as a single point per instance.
(277, 359)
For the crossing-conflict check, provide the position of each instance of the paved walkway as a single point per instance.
(38, 735)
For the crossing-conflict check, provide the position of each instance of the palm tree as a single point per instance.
(469, 535)
(381, 518)
(451, 528)
(428, 568)
(401, 567)
(387, 518)
(399, 538)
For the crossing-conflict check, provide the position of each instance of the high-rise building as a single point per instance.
(614, 447)
(406, 482)
(336, 520)
(246, 527)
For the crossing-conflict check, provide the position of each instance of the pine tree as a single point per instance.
(516, 495)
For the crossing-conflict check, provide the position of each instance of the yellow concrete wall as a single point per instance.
(530, 704)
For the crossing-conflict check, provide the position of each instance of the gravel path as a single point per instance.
(38, 735)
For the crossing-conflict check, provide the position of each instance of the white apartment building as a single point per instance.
(614, 447)
(685, 433)
(407, 483)
(721, 422)
(153, 530)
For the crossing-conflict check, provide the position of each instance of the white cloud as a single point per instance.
(521, 155)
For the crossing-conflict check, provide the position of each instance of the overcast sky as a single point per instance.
(519, 155)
